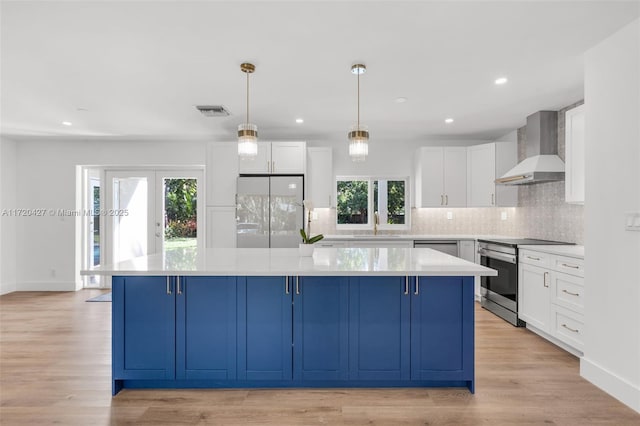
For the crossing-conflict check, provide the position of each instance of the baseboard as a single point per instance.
(46, 286)
(616, 386)
(6, 288)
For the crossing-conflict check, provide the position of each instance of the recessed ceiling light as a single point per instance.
(67, 123)
(299, 120)
(501, 80)
(448, 120)
(400, 100)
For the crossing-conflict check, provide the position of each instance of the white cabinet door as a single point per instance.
(574, 155)
(429, 177)
(288, 157)
(319, 177)
(260, 164)
(222, 173)
(481, 175)
(221, 227)
(534, 296)
(455, 176)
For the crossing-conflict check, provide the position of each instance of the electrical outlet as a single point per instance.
(450, 215)
(503, 215)
(633, 221)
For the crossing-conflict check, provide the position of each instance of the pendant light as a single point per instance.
(247, 132)
(359, 135)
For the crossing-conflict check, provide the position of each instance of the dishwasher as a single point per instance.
(445, 246)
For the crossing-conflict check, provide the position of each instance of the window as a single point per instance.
(358, 198)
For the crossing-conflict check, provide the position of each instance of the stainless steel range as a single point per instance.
(500, 293)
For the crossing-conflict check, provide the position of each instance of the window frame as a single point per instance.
(370, 202)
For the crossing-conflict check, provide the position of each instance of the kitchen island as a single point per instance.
(242, 318)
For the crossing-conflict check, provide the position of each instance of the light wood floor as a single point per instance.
(55, 369)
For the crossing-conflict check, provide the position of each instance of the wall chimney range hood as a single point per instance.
(542, 163)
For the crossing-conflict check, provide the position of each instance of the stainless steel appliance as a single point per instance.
(449, 247)
(269, 211)
(500, 293)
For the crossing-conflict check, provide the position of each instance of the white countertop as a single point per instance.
(411, 237)
(325, 261)
(568, 250)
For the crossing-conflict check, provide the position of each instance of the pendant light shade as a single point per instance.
(247, 132)
(359, 134)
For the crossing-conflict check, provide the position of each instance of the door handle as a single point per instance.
(286, 285)
(492, 199)
(441, 199)
(168, 285)
(297, 284)
(446, 200)
(546, 275)
(406, 285)
(178, 285)
(417, 292)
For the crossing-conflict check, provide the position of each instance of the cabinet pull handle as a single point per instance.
(297, 284)
(417, 287)
(533, 258)
(569, 293)
(273, 166)
(570, 329)
(406, 285)
(446, 200)
(178, 285)
(570, 266)
(268, 168)
(492, 199)
(441, 199)
(168, 286)
(546, 274)
(286, 285)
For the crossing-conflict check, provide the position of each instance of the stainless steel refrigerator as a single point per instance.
(269, 211)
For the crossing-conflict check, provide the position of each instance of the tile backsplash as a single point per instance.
(541, 212)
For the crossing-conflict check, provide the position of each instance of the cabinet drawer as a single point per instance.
(568, 327)
(529, 257)
(569, 265)
(568, 291)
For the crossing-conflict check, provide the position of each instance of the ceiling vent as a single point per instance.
(213, 110)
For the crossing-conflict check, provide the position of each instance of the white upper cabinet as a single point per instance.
(440, 177)
(485, 163)
(319, 177)
(574, 155)
(287, 158)
(222, 172)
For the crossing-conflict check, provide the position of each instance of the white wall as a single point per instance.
(46, 174)
(8, 156)
(612, 272)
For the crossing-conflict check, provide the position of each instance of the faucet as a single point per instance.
(376, 222)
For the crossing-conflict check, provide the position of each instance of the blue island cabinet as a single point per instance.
(289, 331)
(168, 328)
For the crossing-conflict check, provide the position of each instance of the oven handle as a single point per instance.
(497, 255)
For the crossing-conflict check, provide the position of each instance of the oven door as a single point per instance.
(503, 288)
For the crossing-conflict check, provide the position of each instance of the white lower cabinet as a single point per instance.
(533, 295)
(467, 250)
(550, 299)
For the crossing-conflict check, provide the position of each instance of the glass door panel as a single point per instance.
(286, 211)
(252, 215)
(130, 214)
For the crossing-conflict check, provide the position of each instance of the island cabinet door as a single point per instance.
(321, 328)
(206, 328)
(442, 328)
(143, 316)
(379, 321)
(264, 328)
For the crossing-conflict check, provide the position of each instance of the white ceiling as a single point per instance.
(138, 68)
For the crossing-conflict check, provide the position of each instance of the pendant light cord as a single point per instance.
(358, 101)
(247, 98)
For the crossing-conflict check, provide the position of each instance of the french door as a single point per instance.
(145, 211)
